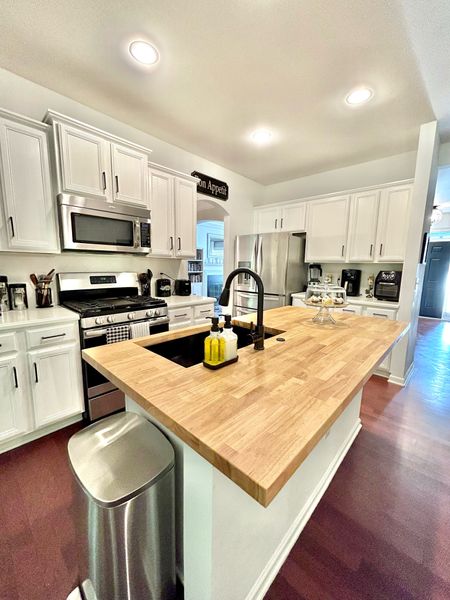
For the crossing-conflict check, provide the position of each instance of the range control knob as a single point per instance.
(110, 319)
(150, 313)
(131, 316)
(157, 312)
(99, 320)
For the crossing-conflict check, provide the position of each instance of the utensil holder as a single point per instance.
(43, 297)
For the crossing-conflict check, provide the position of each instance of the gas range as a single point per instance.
(108, 299)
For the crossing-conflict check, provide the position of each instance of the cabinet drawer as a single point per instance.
(51, 336)
(203, 311)
(180, 315)
(354, 310)
(382, 313)
(8, 343)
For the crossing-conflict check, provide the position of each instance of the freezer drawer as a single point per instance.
(250, 300)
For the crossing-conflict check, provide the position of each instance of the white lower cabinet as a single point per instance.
(186, 316)
(54, 375)
(383, 313)
(13, 413)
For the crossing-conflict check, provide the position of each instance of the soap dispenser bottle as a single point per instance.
(213, 344)
(230, 340)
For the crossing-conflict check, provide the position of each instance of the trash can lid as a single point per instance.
(118, 457)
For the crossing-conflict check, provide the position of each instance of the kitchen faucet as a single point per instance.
(258, 334)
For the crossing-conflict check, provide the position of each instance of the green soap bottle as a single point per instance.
(212, 344)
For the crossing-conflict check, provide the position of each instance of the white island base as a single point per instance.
(229, 547)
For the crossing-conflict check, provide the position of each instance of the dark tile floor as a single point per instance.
(382, 530)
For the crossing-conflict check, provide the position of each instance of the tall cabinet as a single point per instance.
(27, 198)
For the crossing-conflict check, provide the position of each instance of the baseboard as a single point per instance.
(269, 573)
(402, 381)
(34, 435)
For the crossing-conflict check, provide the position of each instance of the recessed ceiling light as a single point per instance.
(359, 96)
(144, 52)
(261, 136)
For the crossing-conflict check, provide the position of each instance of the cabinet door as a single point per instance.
(27, 192)
(293, 217)
(85, 163)
(267, 220)
(129, 170)
(327, 229)
(13, 414)
(185, 217)
(363, 226)
(55, 375)
(393, 224)
(161, 206)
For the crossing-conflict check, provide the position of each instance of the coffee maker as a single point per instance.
(351, 281)
(314, 273)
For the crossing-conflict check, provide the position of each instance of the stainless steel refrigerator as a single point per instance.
(279, 259)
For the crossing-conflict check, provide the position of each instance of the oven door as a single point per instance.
(102, 397)
(84, 228)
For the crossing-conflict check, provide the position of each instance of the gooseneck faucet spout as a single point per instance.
(224, 300)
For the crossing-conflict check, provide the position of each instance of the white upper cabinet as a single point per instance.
(286, 217)
(363, 226)
(185, 217)
(85, 165)
(26, 189)
(173, 204)
(327, 226)
(393, 224)
(91, 162)
(129, 169)
(162, 207)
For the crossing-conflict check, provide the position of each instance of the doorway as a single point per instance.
(210, 246)
(435, 301)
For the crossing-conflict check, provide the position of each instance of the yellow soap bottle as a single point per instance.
(212, 344)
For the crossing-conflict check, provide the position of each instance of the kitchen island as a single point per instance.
(257, 442)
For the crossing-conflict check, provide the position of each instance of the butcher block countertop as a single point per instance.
(258, 419)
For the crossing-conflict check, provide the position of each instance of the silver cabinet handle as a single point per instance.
(11, 222)
(281, 222)
(381, 249)
(117, 183)
(104, 180)
(50, 337)
(380, 315)
(205, 311)
(343, 248)
(371, 250)
(276, 223)
(350, 310)
(183, 315)
(171, 242)
(36, 378)
(16, 383)
(179, 243)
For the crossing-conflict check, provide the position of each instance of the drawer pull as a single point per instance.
(381, 249)
(179, 243)
(380, 315)
(11, 222)
(371, 250)
(343, 248)
(205, 311)
(36, 377)
(276, 223)
(51, 337)
(183, 315)
(16, 383)
(281, 222)
(171, 242)
(348, 310)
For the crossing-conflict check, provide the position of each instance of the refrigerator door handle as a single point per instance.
(259, 260)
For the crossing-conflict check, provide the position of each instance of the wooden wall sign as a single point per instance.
(210, 186)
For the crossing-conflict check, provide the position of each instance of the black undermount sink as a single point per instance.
(189, 350)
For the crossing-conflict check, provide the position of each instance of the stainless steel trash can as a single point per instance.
(124, 482)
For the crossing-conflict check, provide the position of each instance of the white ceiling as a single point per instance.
(228, 67)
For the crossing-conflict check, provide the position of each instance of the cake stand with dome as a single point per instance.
(325, 298)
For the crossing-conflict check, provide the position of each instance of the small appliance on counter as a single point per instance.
(182, 287)
(314, 273)
(351, 281)
(387, 285)
(4, 294)
(163, 287)
(18, 296)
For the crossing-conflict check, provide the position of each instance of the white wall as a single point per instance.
(375, 172)
(25, 97)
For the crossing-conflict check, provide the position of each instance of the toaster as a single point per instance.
(182, 287)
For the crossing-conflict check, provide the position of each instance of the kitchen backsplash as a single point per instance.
(366, 269)
(18, 266)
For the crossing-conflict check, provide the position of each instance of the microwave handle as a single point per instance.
(137, 233)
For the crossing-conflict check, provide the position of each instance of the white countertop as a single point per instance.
(15, 319)
(181, 301)
(360, 300)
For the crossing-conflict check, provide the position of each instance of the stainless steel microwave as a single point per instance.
(95, 225)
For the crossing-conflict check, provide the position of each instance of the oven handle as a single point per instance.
(94, 333)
